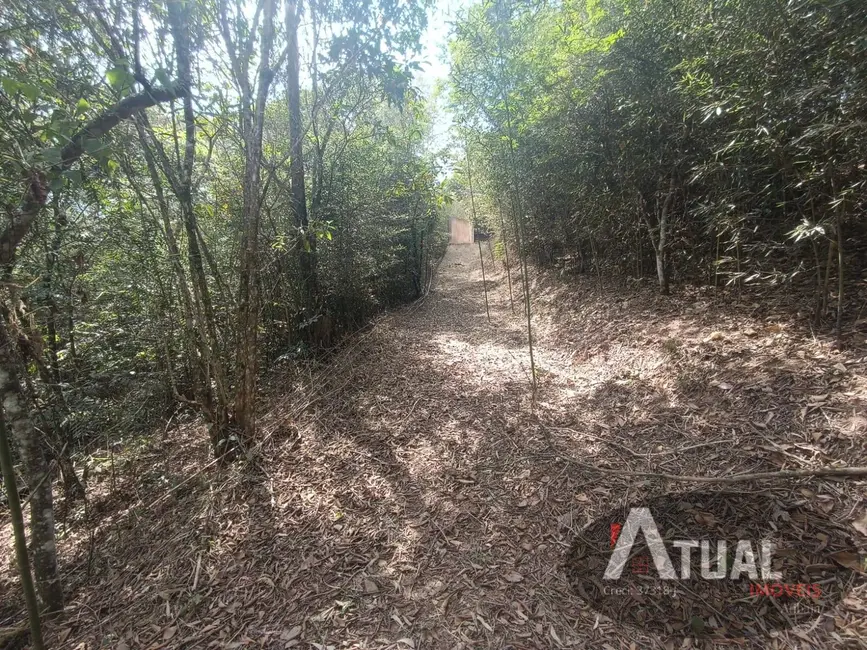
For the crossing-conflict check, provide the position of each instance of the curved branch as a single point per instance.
(37, 191)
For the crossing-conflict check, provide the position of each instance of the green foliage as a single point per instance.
(587, 114)
(97, 274)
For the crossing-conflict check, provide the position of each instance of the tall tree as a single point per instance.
(254, 95)
(306, 238)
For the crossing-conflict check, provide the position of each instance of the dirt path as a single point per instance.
(419, 501)
(428, 456)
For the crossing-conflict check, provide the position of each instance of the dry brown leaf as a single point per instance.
(849, 560)
(705, 519)
(292, 633)
(860, 524)
(554, 635)
(370, 587)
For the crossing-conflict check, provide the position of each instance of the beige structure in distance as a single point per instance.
(460, 231)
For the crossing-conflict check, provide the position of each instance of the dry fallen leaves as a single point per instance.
(849, 560)
(424, 444)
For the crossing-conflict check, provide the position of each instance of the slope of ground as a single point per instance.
(414, 496)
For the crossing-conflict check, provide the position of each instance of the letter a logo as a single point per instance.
(640, 519)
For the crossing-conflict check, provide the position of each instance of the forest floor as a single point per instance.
(417, 497)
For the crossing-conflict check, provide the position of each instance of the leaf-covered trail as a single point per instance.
(428, 458)
(419, 500)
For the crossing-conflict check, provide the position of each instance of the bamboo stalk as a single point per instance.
(475, 221)
(506, 252)
(484, 282)
(840, 280)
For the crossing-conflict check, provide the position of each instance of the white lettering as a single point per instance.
(640, 519)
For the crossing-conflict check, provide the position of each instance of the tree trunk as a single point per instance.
(219, 433)
(307, 247)
(21, 555)
(840, 281)
(248, 291)
(36, 475)
(506, 254)
(662, 241)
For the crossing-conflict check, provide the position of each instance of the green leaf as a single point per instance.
(73, 176)
(92, 145)
(162, 75)
(82, 106)
(57, 184)
(119, 78)
(51, 155)
(30, 91)
(10, 86)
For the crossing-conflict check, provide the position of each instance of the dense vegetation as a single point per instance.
(193, 190)
(704, 141)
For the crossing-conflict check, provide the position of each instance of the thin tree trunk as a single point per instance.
(21, 555)
(716, 264)
(522, 257)
(217, 407)
(506, 253)
(201, 291)
(662, 240)
(195, 336)
(484, 282)
(248, 292)
(307, 249)
(739, 282)
(840, 281)
(817, 308)
(36, 475)
(829, 262)
(517, 212)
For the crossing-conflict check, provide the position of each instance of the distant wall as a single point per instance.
(460, 231)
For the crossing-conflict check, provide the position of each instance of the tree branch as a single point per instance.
(37, 190)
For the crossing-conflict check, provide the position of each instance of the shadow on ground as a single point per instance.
(426, 501)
